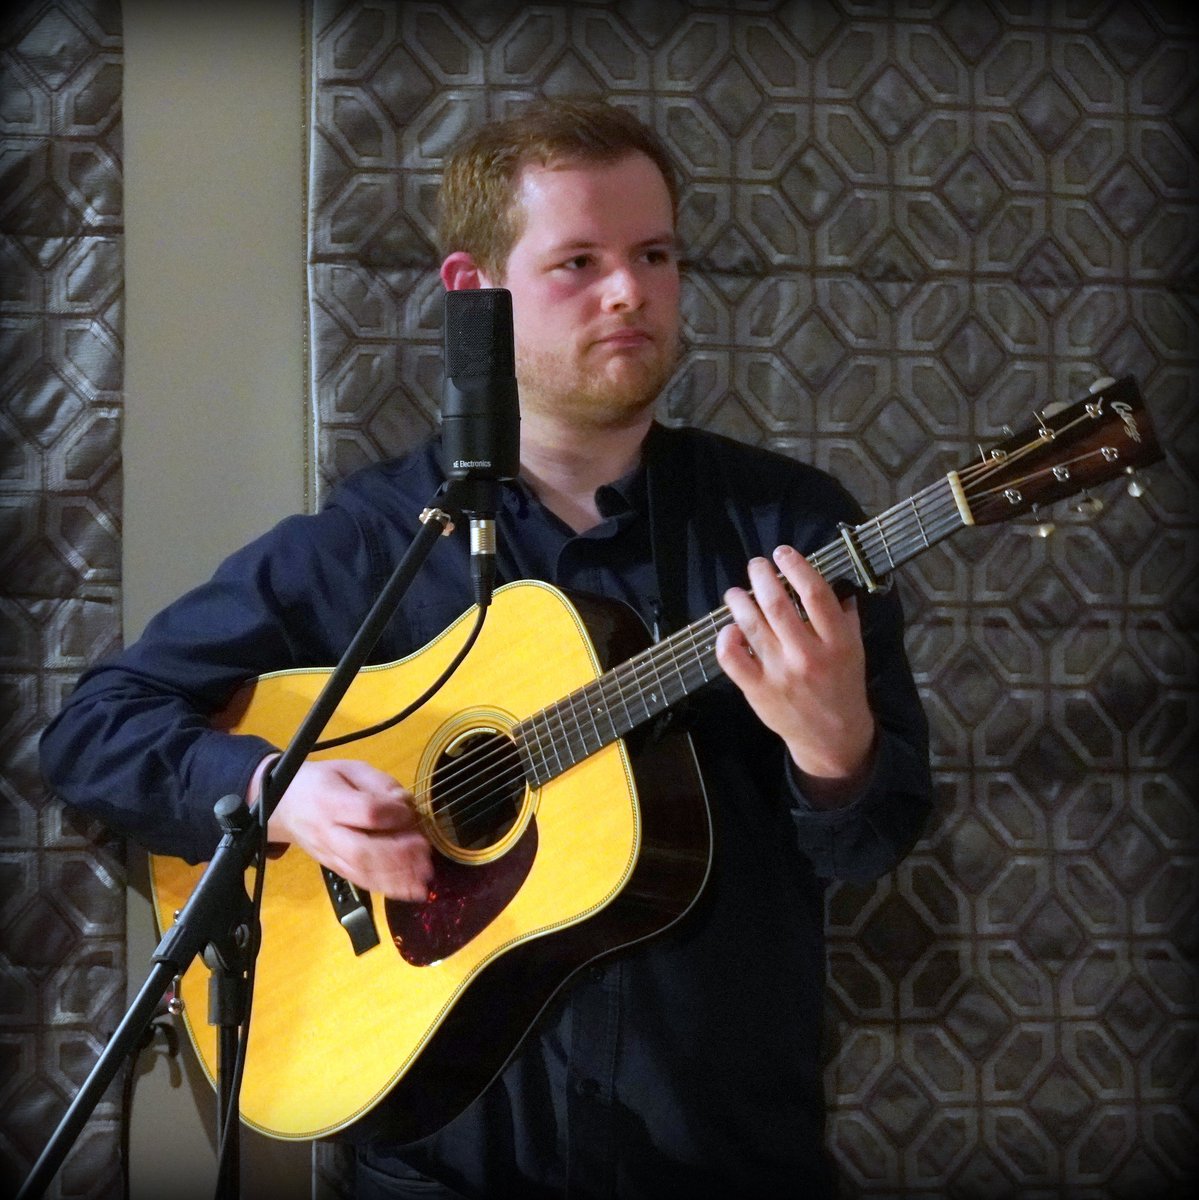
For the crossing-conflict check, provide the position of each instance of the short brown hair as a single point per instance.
(477, 213)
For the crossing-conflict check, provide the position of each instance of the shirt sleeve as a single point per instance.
(867, 837)
(135, 745)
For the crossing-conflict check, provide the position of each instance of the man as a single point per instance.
(691, 1061)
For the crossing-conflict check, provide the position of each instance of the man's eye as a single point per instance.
(577, 263)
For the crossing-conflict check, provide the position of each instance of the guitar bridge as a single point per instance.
(353, 911)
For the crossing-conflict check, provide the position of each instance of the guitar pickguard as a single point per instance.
(463, 900)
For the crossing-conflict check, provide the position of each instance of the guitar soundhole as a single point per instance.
(477, 790)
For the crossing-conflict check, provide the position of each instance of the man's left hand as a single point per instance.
(803, 671)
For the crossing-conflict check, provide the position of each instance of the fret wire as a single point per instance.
(834, 561)
(673, 687)
(680, 661)
(626, 669)
(545, 735)
(583, 698)
(626, 681)
(577, 740)
(686, 661)
(919, 522)
(613, 689)
(883, 553)
(545, 772)
(556, 719)
(550, 712)
(658, 697)
(900, 518)
(610, 685)
(649, 677)
(520, 738)
(907, 520)
(639, 693)
(654, 679)
(596, 708)
(646, 670)
(599, 706)
(680, 649)
(882, 533)
(699, 649)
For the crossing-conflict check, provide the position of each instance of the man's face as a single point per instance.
(594, 279)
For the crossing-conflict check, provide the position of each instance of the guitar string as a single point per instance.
(932, 521)
(665, 658)
(874, 533)
(666, 655)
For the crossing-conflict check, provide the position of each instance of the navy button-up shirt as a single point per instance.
(690, 1062)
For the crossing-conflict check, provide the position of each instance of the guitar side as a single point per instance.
(334, 1033)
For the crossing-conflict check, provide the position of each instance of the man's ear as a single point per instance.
(459, 273)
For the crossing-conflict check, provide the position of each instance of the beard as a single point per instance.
(610, 394)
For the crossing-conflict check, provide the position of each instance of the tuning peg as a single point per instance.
(1136, 488)
(1039, 528)
(1087, 506)
(1104, 381)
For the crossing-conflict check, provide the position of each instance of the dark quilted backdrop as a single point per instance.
(908, 225)
(62, 913)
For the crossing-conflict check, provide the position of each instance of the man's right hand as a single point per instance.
(357, 821)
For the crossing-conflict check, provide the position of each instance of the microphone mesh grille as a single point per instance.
(478, 333)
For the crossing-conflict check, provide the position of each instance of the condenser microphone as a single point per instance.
(480, 415)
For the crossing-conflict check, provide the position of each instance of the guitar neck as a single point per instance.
(627, 696)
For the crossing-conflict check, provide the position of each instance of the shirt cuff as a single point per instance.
(803, 808)
(221, 764)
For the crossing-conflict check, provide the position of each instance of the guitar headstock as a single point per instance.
(1107, 435)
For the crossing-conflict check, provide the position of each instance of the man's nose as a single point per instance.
(622, 289)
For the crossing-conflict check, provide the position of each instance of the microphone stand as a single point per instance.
(217, 918)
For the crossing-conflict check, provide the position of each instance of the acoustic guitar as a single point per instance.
(565, 822)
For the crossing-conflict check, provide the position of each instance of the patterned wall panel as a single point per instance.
(908, 226)
(62, 912)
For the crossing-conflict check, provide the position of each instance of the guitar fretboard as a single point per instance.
(554, 739)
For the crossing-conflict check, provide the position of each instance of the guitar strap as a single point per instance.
(678, 532)
(681, 527)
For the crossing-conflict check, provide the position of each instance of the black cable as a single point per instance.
(421, 700)
(255, 918)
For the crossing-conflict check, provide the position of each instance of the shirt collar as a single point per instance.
(628, 494)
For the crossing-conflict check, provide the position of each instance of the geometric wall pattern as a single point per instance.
(62, 912)
(907, 225)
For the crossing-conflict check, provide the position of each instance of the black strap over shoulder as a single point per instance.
(676, 472)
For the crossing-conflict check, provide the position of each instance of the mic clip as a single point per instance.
(441, 516)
